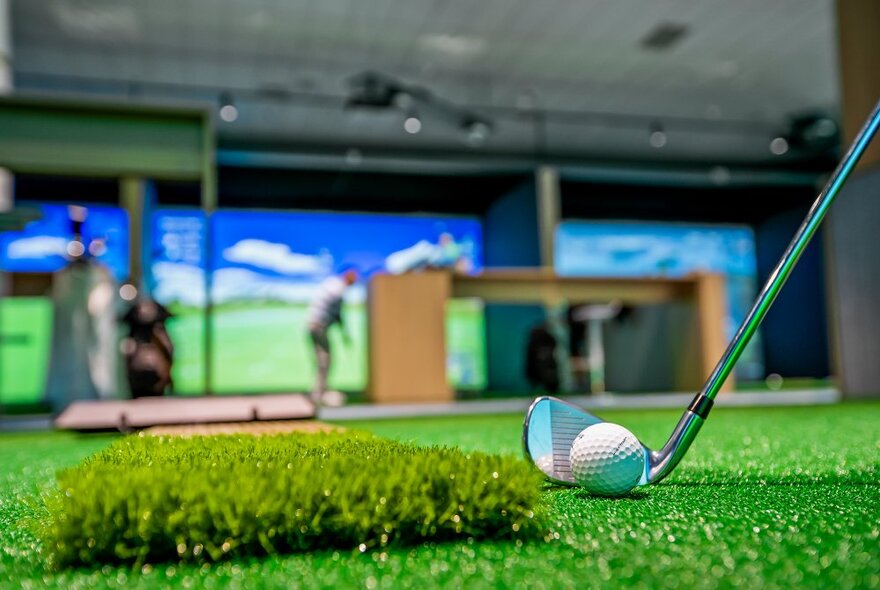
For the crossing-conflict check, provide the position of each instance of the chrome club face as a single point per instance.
(550, 427)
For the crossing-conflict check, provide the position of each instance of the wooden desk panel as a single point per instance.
(407, 323)
(532, 287)
(407, 312)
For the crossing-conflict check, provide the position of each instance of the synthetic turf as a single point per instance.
(148, 499)
(765, 498)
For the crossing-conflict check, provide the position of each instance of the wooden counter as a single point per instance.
(407, 321)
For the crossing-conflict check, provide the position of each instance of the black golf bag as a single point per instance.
(542, 369)
(148, 350)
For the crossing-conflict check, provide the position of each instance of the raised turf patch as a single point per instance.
(148, 499)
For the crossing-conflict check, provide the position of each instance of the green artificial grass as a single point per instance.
(766, 498)
(148, 499)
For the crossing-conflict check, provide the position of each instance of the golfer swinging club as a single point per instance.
(324, 311)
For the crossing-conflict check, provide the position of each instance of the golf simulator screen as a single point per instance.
(26, 322)
(42, 245)
(642, 249)
(266, 266)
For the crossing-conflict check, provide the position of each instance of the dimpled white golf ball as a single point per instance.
(607, 459)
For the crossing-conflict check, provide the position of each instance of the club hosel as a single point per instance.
(666, 459)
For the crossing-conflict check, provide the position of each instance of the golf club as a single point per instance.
(551, 424)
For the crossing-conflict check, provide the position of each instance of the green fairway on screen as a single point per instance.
(25, 336)
(263, 346)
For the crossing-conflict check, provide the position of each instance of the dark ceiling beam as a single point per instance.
(694, 176)
(280, 95)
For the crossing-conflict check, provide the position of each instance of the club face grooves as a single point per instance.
(556, 421)
(559, 422)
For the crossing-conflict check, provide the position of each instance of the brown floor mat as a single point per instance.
(267, 427)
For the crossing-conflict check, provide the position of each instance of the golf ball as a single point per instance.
(607, 459)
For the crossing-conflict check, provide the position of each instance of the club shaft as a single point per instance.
(665, 460)
(790, 258)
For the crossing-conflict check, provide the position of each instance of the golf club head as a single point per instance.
(551, 425)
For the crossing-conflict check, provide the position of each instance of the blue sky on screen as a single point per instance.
(588, 248)
(645, 249)
(284, 255)
(41, 245)
(317, 243)
(176, 266)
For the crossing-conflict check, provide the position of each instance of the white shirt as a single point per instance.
(326, 306)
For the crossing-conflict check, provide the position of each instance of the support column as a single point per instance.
(858, 23)
(131, 197)
(5, 87)
(209, 205)
(549, 211)
(852, 265)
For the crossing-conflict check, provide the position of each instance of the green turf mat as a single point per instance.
(766, 498)
(147, 499)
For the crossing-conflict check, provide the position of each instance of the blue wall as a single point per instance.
(510, 229)
(510, 239)
(795, 330)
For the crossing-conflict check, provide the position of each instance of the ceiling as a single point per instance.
(569, 79)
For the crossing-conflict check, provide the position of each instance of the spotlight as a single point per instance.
(778, 146)
(75, 248)
(412, 125)
(98, 247)
(128, 292)
(657, 137)
(228, 110)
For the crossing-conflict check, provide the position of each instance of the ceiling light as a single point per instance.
(228, 110)
(657, 137)
(128, 292)
(778, 146)
(75, 249)
(412, 125)
(228, 113)
(97, 247)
